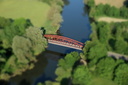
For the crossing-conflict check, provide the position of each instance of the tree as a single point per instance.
(65, 66)
(54, 15)
(69, 60)
(105, 68)
(22, 49)
(119, 31)
(121, 74)
(40, 84)
(91, 3)
(17, 27)
(120, 45)
(51, 83)
(35, 36)
(82, 76)
(63, 73)
(96, 52)
(4, 22)
(104, 33)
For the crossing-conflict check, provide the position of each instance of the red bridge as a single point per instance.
(64, 41)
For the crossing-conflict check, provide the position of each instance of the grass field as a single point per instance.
(30, 9)
(100, 81)
(116, 3)
(110, 19)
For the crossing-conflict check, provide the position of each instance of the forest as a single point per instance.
(99, 10)
(21, 41)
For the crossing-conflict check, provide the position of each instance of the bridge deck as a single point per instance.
(64, 44)
(64, 41)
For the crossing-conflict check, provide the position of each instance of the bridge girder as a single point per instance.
(64, 39)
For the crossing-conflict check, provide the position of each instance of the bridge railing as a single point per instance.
(65, 40)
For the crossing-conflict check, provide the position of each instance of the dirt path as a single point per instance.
(109, 19)
(116, 3)
(117, 55)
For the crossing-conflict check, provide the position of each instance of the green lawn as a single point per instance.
(34, 10)
(100, 81)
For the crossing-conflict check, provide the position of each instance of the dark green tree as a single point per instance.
(91, 3)
(120, 46)
(105, 68)
(18, 27)
(66, 65)
(35, 35)
(104, 33)
(96, 52)
(81, 76)
(4, 22)
(22, 49)
(121, 74)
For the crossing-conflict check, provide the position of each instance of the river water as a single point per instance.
(76, 25)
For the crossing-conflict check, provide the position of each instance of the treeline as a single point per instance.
(108, 37)
(20, 42)
(94, 63)
(107, 10)
(58, 2)
(54, 15)
(113, 35)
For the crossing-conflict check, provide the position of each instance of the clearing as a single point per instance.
(34, 10)
(110, 19)
(116, 3)
(101, 81)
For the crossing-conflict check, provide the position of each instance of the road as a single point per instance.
(117, 55)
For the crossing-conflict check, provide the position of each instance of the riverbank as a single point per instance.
(29, 9)
(41, 14)
(110, 19)
(115, 3)
(109, 34)
(107, 11)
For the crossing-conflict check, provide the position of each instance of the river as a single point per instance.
(76, 25)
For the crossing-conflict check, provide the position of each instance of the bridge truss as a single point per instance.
(64, 41)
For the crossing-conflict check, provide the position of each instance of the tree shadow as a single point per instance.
(43, 30)
(59, 32)
(3, 82)
(28, 75)
(65, 81)
(112, 43)
(29, 21)
(86, 10)
(24, 82)
(126, 3)
(66, 2)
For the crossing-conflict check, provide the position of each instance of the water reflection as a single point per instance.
(24, 82)
(76, 25)
(3, 82)
(66, 2)
(29, 76)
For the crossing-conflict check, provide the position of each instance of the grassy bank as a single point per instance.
(108, 11)
(101, 81)
(110, 19)
(30, 9)
(115, 3)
